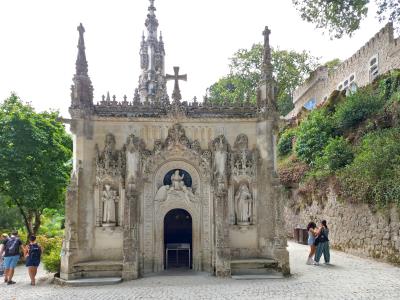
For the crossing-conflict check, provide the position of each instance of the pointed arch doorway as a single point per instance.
(178, 239)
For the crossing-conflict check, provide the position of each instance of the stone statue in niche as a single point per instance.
(110, 200)
(220, 158)
(132, 150)
(177, 189)
(109, 151)
(243, 205)
(177, 181)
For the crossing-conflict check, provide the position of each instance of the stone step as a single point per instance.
(276, 275)
(89, 281)
(94, 269)
(253, 263)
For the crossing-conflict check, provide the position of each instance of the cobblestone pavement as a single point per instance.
(349, 277)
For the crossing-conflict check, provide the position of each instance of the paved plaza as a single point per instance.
(349, 277)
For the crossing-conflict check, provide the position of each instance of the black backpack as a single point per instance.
(12, 246)
(34, 252)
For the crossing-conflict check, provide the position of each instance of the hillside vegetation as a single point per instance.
(350, 143)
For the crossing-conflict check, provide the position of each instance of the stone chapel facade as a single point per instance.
(137, 161)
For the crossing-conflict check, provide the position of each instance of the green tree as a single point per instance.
(10, 216)
(35, 154)
(313, 135)
(343, 17)
(290, 70)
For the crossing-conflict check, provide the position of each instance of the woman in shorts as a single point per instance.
(33, 253)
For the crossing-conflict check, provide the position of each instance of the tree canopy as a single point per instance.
(343, 17)
(35, 160)
(290, 70)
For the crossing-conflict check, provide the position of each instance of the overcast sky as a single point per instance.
(39, 38)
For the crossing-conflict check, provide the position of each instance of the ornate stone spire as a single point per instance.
(267, 65)
(151, 21)
(152, 83)
(81, 62)
(266, 96)
(82, 89)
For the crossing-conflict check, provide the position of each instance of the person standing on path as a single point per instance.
(311, 228)
(323, 244)
(3, 239)
(33, 253)
(12, 253)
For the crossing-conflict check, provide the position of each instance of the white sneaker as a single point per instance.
(316, 263)
(309, 261)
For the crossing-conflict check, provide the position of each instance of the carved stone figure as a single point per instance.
(109, 199)
(243, 205)
(176, 189)
(177, 181)
(132, 158)
(220, 157)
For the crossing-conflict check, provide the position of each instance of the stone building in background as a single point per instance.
(380, 55)
(160, 183)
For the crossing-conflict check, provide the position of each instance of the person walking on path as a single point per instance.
(3, 239)
(11, 256)
(33, 253)
(311, 228)
(323, 244)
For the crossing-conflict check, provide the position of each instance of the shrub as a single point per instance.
(374, 175)
(285, 143)
(357, 108)
(336, 155)
(313, 134)
(51, 253)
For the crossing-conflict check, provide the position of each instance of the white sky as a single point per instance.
(39, 38)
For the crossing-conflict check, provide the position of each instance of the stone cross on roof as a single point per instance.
(176, 94)
(267, 65)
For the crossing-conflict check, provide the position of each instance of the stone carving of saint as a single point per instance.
(109, 150)
(132, 159)
(177, 181)
(109, 199)
(176, 189)
(220, 159)
(243, 205)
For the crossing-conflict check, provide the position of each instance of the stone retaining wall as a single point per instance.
(354, 228)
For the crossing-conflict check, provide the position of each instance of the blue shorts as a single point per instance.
(10, 262)
(32, 262)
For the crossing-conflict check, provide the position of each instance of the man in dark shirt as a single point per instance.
(11, 256)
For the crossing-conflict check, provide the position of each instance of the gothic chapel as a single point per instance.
(160, 184)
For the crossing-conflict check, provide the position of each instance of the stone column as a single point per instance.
(70, 242)
(130, 262)
(222, 250)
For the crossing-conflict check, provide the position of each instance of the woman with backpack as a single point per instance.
(33, 253)
(322, 244)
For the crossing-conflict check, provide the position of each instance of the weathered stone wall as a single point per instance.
(354, 228)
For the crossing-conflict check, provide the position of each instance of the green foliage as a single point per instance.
(51, 252)
(357, 107)
(374, 175)
(336, 155)
(313, 135)
(51, 223)
(290, 70)
(332, 64)
(285, 143)
(35, 153)
(343, 17)
(10, 217)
